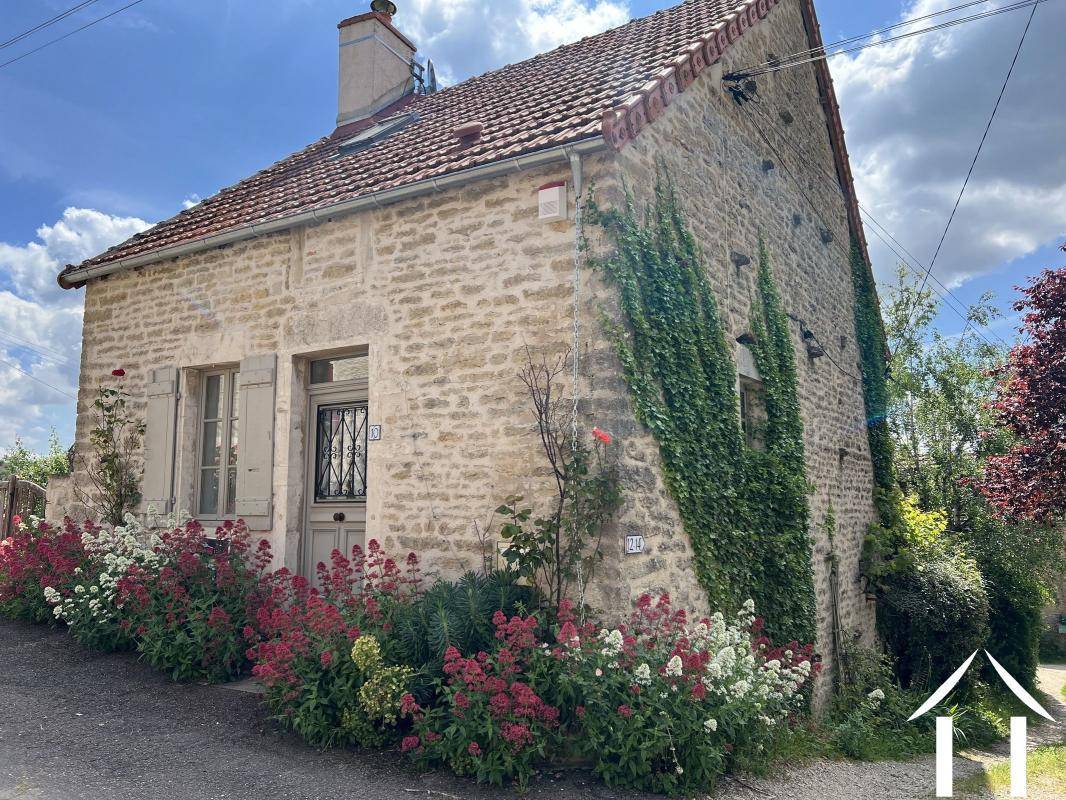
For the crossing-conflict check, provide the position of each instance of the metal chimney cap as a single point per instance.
(383, 7)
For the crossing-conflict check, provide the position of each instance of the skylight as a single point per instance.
(375, 133)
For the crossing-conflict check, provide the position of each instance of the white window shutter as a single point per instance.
(160, 431)
(255, 447)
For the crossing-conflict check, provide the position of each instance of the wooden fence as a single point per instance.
(21, 498)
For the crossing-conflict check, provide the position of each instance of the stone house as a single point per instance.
(329, 349)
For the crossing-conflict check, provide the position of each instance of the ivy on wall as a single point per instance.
(870, 332)
(745, 511)
(885, 537)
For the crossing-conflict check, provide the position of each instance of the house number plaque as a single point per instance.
(374, 433)
(634, 544)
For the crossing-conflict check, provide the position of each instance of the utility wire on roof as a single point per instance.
(70, 33)
(976, 156)
(849, 40)
(819, 54)
(46, 23)
(14, 341)
(35, 378)
(881, 232)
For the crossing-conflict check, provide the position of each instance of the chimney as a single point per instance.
(375, 63)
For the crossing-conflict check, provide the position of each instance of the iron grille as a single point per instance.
(340, 456)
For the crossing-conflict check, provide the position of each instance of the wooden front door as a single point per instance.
(336, 476)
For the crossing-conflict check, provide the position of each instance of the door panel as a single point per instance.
(335, 478)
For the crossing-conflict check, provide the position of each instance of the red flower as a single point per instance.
(474, 749)
(603, 436)
(625, 711)
(410, 743)
(118, 373)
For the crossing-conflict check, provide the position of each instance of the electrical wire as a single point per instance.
(39, 349)
(811, 51)
(42, 25)
(881, 232)
(11, 342)
(35, 378)
(976, 156)
(69, 34)
(782, 64)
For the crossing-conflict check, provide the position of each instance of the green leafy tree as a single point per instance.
(36, 467)
(939, 414)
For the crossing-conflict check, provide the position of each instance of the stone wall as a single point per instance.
(734, 187)
(445, 290)
(449, 289)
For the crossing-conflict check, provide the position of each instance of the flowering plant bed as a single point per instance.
(36, 560)
(189, 617)
(463, 674)
(318, 653)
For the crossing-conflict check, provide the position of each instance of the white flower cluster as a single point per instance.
(736, 673)
(111, 553)
(612, 642)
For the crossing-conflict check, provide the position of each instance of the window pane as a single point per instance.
(342, 368)
(231, 456)
(208, 491)
(212, 447)
(231, 491)
(213, 397)
(234, 408)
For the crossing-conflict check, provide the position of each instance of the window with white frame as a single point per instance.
(217, 473)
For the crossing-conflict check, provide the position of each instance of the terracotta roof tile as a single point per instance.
(598, 84)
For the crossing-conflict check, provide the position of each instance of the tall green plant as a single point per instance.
(112, 473)
(744, 511)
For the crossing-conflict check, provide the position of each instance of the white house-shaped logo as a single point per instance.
(944, 732)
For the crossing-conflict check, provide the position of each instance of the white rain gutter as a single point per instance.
(375, 200)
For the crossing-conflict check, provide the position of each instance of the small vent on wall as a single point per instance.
(551, 202)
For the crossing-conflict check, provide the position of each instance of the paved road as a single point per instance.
(76, 724)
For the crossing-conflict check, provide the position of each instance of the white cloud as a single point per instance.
(914, 111)
(468, 37)
(31, 269)
(40, 324)
(190, 201)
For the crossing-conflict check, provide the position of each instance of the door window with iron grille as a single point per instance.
(340, 452)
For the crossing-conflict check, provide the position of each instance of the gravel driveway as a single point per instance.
(76, 724)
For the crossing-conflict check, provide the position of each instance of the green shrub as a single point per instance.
(455, 614)
(933, 613)
(933, 606)
(1052, 646)
(868, 718)
(1015, 607)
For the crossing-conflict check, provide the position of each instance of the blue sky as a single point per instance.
(118, 125)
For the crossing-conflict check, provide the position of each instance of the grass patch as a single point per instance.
(868, 732)
(1046, 775)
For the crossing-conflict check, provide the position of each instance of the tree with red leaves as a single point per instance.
(1029, 481)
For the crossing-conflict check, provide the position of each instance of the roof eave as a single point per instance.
(75, 277)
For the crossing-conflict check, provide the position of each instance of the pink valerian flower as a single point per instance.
(625, 711)
(603, 436)
(325, 658)
(410, 743)
(474, 749)
(517, 734)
